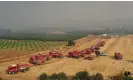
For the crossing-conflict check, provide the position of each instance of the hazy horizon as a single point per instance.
(65, 15)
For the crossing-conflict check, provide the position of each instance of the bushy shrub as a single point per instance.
(97, 76)
(43, 76)
(120, 77)
(70, 43)
(74, 78)
(127, 78)
(82, 75)
(62, 76)
(116, 77)
(54, 76)
(59, 76)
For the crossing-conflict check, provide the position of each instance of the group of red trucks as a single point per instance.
(35, 60)
(42, 58)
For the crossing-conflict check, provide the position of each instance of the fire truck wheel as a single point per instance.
(35, 63)
(9, 72)
(61, 57)
(24, 70)
(27, 68)
(13, 73)
(43, 61)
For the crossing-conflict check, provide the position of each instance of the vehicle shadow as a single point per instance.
(112, 57)
(131, 61)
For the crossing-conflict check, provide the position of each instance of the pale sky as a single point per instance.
(62, 14)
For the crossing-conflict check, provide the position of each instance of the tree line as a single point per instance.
(83, 75)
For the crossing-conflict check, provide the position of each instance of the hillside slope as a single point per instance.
(104, 64)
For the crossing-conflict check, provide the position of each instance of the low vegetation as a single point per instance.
(70, 43)
(42, 36)
(120, 77)
(30, 44)
(82, 75)
(97, 76)
(59, 76)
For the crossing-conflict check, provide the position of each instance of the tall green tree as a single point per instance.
(70, 43)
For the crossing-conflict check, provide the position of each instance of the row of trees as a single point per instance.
(29, 44)
(82, 75)
(43, 37)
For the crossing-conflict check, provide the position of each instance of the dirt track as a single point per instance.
(105, 65)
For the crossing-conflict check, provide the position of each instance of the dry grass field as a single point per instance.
(106, 65)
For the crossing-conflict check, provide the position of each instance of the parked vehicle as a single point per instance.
(97, 53)
(15, 68)
(89, 57)
(55, 54)
(117, 56)
(74, 54)
(103, 54)
(39, 59)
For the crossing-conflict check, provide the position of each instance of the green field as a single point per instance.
(30, 44)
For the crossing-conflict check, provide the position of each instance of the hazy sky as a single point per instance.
(61, 14)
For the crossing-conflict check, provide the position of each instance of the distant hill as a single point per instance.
(57, 32)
